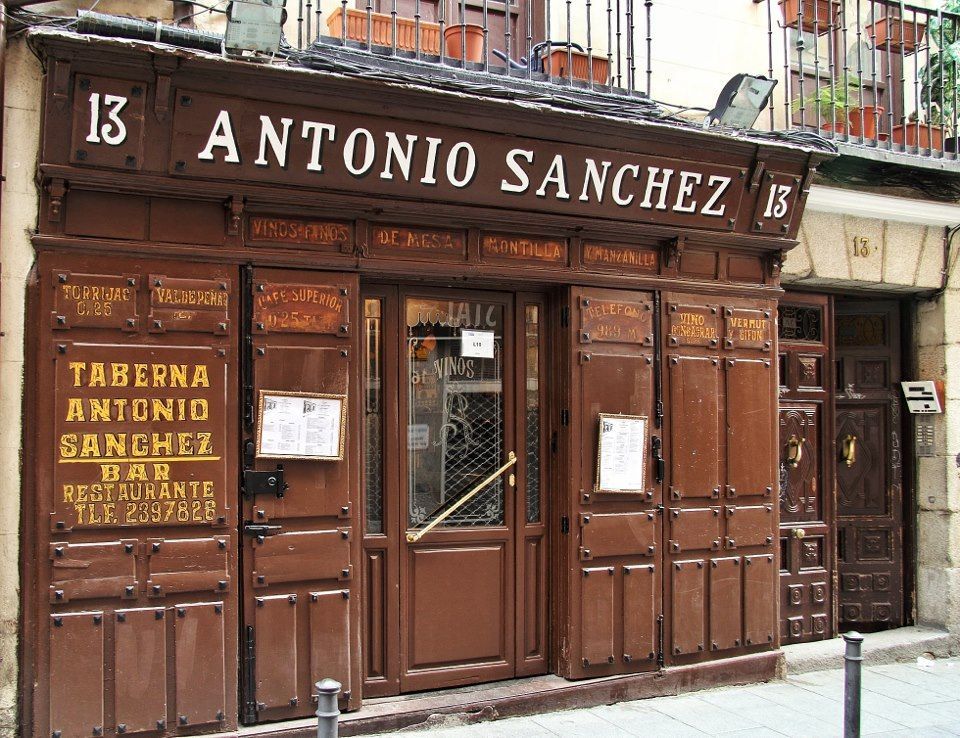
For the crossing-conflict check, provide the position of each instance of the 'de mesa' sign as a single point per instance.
(233, 138)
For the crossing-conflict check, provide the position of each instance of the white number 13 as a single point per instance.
(113, 132)
(777, 202)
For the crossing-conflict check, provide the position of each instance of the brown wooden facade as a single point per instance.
(200, 245)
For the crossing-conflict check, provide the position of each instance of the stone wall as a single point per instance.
(18, 218)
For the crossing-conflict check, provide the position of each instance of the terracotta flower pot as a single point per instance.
(817, 14)
(838, 127)
(381, 27)
(886, 34)
(556, 65)
(864, 122)
(473, 41)
(929, 136)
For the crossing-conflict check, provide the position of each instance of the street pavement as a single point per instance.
(921, 698)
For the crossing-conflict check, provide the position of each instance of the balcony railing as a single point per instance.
(878, 74)
(602, 45)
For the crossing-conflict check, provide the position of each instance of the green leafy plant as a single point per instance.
(835, 100)
(939, 93)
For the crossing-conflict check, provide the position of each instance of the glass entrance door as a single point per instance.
(459, 490)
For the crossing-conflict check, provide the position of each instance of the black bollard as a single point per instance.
(852, 664)
(328, 713)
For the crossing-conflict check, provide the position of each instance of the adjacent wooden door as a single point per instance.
(299, 540)
(454, 544)
(868, 464)
(806, 499)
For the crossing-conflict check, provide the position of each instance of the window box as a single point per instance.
(381, 26)
(818, 15)
(556, 65)
(905, 42)
(930, 136)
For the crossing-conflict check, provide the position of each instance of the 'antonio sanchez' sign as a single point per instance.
(239, 139)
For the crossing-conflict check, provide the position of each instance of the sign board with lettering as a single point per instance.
(693, 325)
(94, 301)
(621, 258)
(622, 453)
(747, 329)
(404, 242)
(504, 247)
(189, 305)
(616, 321)
(299, 425)
(300, 308)
(141, 436)
(298, 231)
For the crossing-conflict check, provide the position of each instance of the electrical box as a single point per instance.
(923, 398)
(254, 25)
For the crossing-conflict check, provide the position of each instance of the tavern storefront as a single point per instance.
(341, 378)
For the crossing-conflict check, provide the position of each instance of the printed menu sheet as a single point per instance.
(301, 426)
(621, 463)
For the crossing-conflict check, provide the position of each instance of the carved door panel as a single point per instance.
(300, 508)
(806, 500)
(615, 537)
(868, 465)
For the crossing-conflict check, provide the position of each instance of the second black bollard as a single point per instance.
(852, 663)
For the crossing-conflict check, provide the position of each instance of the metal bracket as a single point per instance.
(264, 482)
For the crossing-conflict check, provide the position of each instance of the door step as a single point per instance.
(529, 696)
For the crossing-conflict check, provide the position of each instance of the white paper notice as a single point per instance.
(418, 437)
(476, 344)
(622, 453)
(300, 426)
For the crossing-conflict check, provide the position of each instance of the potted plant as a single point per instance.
(896, 34)
(463, 38)
(834, 102)
(926, 134)
(818, 15)
(938, 78)
(863, 121)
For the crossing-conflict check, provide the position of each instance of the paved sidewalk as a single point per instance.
(915, 699)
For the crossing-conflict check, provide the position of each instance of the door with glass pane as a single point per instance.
(455, 538)
(458, 489)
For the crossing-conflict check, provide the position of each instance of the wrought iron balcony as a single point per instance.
(603, 45)
(871, 74)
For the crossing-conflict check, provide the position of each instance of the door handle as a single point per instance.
(795, 450)
(415, 535)
(799, 533)
(848, 452)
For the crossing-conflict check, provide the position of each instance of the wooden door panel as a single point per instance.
(140, 643)
(749, 405)
(695, 429)
(300, 543)
(869, 480)
(456, 609)
(134, 563)
(806, 488)
(612, 621)
(726, 604)
(801, 486)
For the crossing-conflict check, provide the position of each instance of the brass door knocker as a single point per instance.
(848, 452)
(795, 451)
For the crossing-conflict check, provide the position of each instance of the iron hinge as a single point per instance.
(564, 524)
(249, 681)
(660, 640)
(565, 316)
(564, 417)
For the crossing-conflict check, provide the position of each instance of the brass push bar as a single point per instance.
(415, 535)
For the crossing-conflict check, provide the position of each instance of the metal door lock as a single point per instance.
(264, 482)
